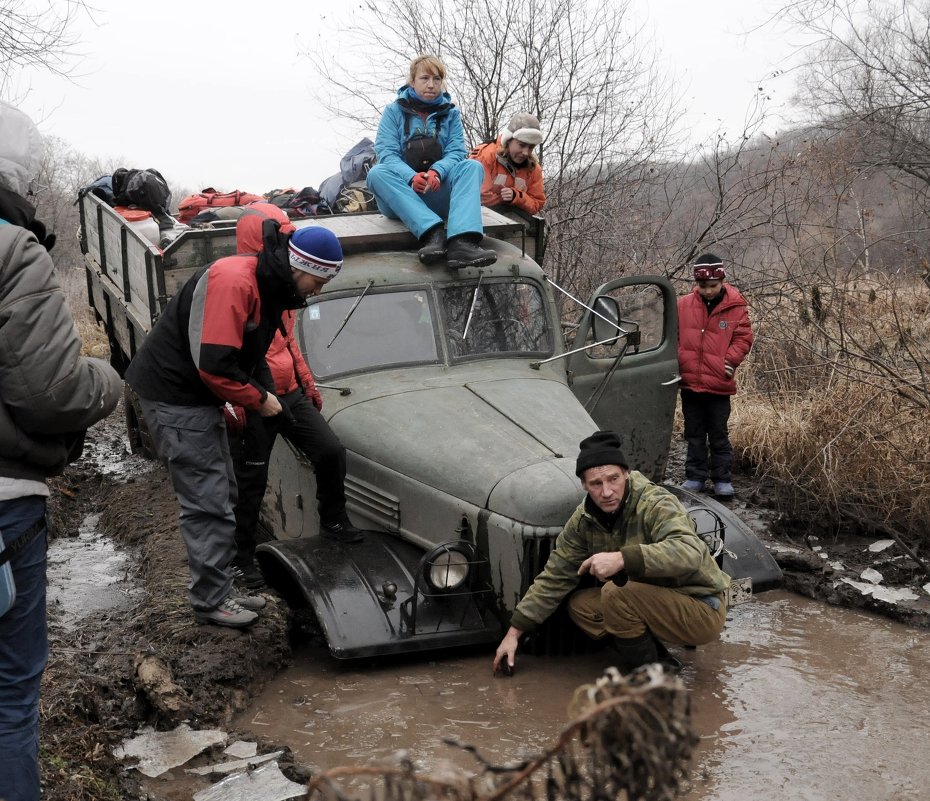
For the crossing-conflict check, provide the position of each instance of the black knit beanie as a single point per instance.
(602, 447)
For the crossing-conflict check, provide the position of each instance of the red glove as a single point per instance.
(315, 397)
(235, 419)
(424, 182)
(419, 183)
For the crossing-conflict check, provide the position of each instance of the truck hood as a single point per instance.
(507, 445)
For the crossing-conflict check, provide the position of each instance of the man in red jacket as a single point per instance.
(315, 253)
(714, 336)
(207, 349)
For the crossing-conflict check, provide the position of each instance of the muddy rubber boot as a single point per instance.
(465, 251)
(433, 245)
(634, 652)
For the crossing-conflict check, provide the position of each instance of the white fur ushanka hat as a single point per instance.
(524, 128)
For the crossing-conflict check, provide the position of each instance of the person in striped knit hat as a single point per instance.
(315, 257)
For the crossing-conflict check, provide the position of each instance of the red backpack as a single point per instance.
(192, 205)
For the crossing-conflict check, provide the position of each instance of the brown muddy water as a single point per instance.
(797, 701)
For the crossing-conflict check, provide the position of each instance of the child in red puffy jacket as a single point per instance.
(714, 336)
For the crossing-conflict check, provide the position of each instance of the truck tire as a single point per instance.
(140, 439)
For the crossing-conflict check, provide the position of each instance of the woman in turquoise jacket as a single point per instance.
(423, 175)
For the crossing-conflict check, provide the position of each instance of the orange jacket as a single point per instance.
(526, 181)
(289, 370)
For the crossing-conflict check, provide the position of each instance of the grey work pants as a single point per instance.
(192, 442)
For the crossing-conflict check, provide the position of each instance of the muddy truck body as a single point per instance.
(461, 403)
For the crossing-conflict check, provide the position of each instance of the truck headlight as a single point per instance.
(446, 568)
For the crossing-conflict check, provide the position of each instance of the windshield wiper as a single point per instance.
(471, 310)
(351, 312)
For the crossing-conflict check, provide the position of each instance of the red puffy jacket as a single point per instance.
(287, 364)
(707, 341)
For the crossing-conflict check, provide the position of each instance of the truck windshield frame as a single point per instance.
(392, 328)
(503, 317)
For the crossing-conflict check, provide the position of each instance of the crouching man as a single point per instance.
(657, 580)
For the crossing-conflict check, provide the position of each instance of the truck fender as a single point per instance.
(744, 555)
(370, 598)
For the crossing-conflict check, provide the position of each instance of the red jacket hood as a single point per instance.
(249, 227)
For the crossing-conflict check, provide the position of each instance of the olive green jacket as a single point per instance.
(656, 537)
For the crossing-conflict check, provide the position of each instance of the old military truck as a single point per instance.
(461, 406)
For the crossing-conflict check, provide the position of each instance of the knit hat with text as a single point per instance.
(315, 250)
(709, 267)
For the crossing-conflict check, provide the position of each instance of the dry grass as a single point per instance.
(835, 408)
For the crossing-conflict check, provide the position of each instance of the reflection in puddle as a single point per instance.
(85, 574)
(797, 701)
(823, 703)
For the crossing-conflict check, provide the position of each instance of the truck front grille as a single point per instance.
(558, 635)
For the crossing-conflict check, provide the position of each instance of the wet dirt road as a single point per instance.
(797, 701)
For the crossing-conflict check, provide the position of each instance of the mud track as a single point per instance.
(152, 664)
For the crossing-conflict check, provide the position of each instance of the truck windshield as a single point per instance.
(386, 329)
(506, 317)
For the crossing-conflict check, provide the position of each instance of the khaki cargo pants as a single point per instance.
(628, 610)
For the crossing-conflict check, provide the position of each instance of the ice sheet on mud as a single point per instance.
(159, 751)
(234, 765)
(267, 783)
(890, 595)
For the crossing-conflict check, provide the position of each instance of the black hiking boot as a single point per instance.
(247, 574)
(342, 531)
(433, 245)
(465, 251)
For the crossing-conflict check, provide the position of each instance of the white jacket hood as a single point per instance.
(20, 149)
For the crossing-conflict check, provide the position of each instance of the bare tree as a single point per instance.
(868, 72)
(36, 34)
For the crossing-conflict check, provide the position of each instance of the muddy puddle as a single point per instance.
(797, 701)
(86, 574)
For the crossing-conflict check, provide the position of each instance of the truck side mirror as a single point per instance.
(607, 319)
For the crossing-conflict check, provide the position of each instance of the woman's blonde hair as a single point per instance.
(432, 63)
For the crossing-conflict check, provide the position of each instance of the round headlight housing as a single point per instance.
(446, 568)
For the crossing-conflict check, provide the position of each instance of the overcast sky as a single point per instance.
(218, 94)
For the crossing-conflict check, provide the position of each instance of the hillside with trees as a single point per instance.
(823, 227)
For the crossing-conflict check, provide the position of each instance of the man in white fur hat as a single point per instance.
(49, 395)
(512, 174)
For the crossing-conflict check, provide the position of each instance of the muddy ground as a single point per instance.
(150, 663)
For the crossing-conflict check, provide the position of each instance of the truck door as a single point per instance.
(636, 395)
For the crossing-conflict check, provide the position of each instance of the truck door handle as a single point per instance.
(674, 380)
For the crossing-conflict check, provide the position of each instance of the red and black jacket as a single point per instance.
(208, 347)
